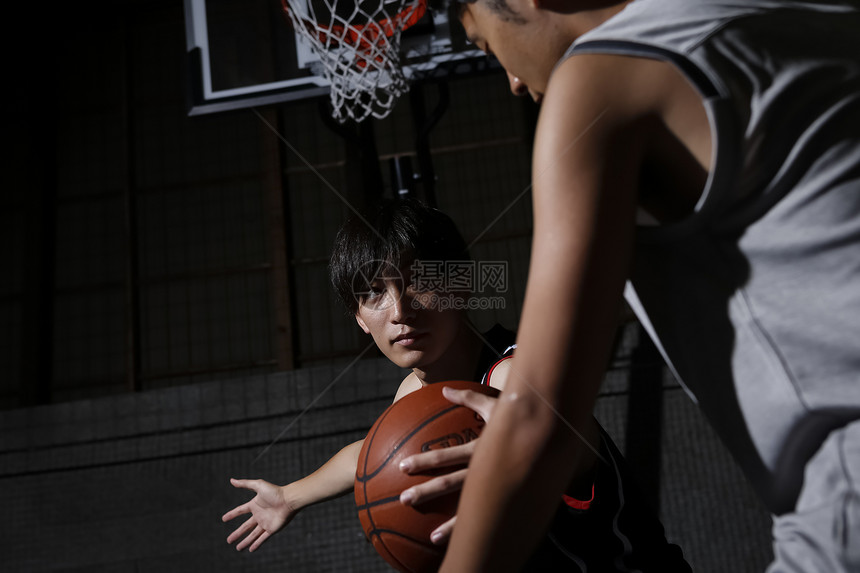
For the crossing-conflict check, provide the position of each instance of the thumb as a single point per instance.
(251, 484)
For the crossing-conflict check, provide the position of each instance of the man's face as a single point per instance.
(407, 325)
(515, 40)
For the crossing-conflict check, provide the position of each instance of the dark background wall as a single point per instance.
(167, 321)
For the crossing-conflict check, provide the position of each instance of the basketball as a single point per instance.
(421, 421)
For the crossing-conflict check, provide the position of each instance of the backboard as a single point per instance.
(244, 53)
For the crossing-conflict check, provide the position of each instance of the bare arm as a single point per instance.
(586, 160)
(334, 478)
(273, 507)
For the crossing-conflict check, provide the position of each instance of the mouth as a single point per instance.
(409, 338)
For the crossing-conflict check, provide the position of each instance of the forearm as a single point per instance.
(584, 205)
(334, 478)
(512, 490)
(538, 439)
(532, 446)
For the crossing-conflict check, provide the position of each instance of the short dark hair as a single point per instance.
(499, 7)
(394, 231)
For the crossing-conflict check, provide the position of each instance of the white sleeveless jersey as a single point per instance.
(754, 300)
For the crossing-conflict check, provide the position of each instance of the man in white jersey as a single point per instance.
(702, 158)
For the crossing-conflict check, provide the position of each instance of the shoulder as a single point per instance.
(410, 384)
(504, 344)
(610, 109)
(621, 88)
(622, 104)
(617, 88)
(588, 113)
(497, 375)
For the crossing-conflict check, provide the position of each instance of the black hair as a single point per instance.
(499, 7)
(393, 232)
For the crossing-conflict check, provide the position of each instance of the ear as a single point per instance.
(362, 324)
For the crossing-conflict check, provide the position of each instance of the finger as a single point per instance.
(442, 534)
(264, 536)
(433, 488)
(251, 484)
(441, 458)
(249, 524)
(235, 512)
(250, 539)
(480, 403)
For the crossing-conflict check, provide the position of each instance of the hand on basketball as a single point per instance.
(446, 457)
(269, 513)
(480, 403)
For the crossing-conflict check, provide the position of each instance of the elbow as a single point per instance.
(539, 427)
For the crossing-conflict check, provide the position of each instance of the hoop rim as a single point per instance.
(361, 61)
(363, 36)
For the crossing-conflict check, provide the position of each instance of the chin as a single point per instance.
(407, 359)
(412, 359)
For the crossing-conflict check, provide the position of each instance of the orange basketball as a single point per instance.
(421, 421)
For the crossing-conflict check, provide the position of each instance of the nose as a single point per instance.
(518, 88)
(401, 306)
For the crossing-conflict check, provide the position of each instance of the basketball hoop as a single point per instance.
(358, 44)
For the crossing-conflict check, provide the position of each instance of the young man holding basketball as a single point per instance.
(707, 152)
(600, 518)
(370, 272)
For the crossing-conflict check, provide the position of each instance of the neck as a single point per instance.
(585, 15)
(458, 362)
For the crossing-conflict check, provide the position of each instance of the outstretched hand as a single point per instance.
(446, 457)
(269, 513)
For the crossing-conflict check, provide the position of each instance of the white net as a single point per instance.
(358, 44)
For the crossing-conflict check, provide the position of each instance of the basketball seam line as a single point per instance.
(370, 504)
(367, 476)
(395, 533)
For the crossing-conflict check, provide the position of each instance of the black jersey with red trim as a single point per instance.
(499, 344)
(615, 530)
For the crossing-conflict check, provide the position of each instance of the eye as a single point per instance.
(369, 295)
(375, 290)
(480, 44)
